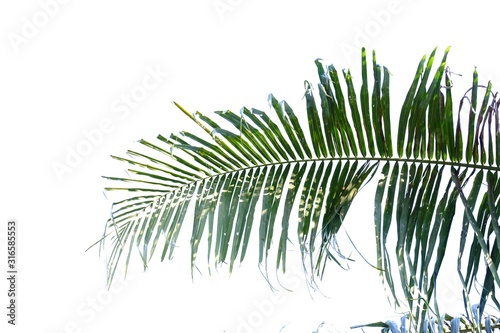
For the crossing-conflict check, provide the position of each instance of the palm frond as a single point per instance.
(270, 170)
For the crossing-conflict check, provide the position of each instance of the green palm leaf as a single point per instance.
(265, 173)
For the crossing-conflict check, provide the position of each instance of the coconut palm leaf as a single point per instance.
(270, 173)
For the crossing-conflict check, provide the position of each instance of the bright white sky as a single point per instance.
(65, 67)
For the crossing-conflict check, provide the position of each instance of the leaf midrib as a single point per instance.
(366, 159)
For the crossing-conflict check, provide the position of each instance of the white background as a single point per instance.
(64, 77)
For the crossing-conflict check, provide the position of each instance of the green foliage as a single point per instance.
(259, 172)
(445, 324)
